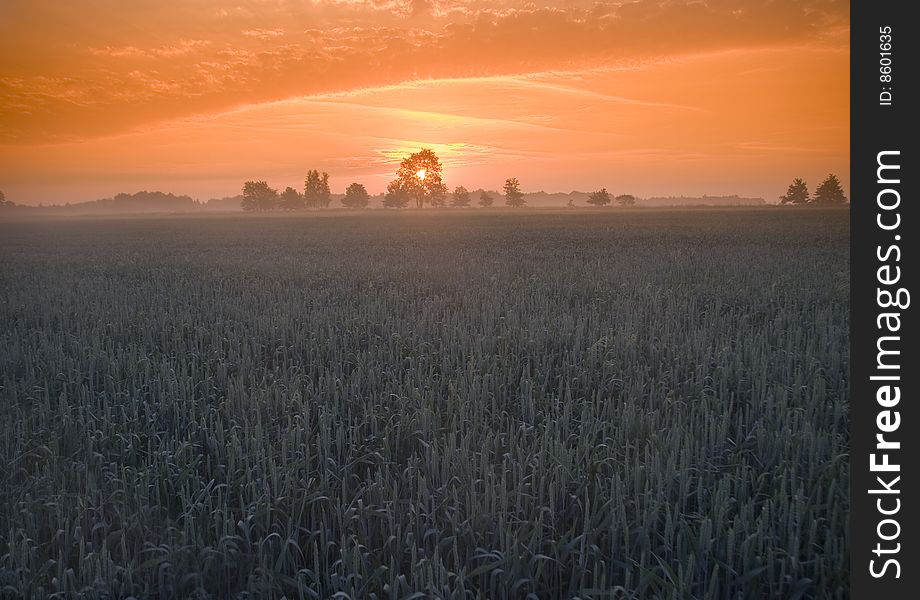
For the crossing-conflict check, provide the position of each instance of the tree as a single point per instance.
(316, 192)
(485, 199)
(796, 194)
(4, 203)
(830, 192)
(513, 194)
(420, 175)
(290, 199)
(626, 200)
(461, 197)
(356, 196)
(397, 196)
(439, 193)
(258, 196)
(599, 198)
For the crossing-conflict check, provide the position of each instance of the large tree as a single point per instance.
(290, 199)
(316, 193)
(599, 198)
(356, 196)
(485, 199)
(830, 192)
(397, 196)
(626, 200)
(461, 197)
(257, 195)
(513, 194)
(419, 174)
(796, 194)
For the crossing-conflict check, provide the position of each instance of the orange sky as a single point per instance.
(660, 97)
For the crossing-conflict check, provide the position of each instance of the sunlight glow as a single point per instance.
(421, 174)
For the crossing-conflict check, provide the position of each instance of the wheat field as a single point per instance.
(453, 404)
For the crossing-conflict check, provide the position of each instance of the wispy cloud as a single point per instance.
(258, 50)
(263, 34)
(182, 48)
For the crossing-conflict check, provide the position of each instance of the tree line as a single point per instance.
(828, 193)
(603, 198)
(258, 195)
(418, 181)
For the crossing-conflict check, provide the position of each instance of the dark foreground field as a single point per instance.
(647, 404)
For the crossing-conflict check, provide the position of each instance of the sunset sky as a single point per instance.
(662, 97)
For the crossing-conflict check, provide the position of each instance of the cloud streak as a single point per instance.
(263, 34)
(83, 73)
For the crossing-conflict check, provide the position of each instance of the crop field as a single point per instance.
(455, 404)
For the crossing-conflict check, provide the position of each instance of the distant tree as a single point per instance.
(356, 196)
(571, 202)
(485, 199)
(419, 174)
(258, 196)
(439, 194)
(397, 196)
(225, 203)
(599, 198)
(796, 194)
(4, 203)
(830, 192)
(513, 194)
(316, 193)
(461, 197)
(626, 200)
(290, 199)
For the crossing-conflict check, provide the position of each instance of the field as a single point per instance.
(553, 404)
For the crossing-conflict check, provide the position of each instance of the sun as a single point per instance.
(421, 173)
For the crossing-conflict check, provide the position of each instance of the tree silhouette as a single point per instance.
(397, 196)
(485, 199)
(290, 199)
(599, 198)
(356, 196)
(316, 192)
(4, 203)
(439, 194)
(796, 194)
(626, 200)
(513, 194)
(258, 196)
(420, 175)
(461, 197)
(830, 192)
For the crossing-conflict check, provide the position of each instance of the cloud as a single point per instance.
(128, 73)
(182, 48)
(263, 34)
